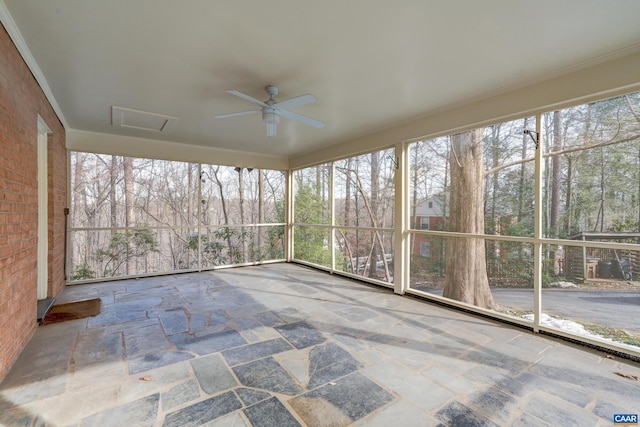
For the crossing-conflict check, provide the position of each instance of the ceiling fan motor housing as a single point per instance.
(270, 115)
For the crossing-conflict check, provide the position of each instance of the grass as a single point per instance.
(614, 334)
(619, 335)
(513, 311)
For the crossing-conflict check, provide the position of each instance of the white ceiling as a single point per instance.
(370, 63)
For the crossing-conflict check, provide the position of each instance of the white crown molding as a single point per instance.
(15, 34)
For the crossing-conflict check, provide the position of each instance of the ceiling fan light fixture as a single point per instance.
(271, 130)
(271, 119)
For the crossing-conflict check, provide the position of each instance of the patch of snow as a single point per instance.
(563, 285)
(565, 325)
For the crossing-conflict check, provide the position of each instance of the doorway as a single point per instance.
(43, 211)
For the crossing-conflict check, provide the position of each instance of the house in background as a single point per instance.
(429, 215)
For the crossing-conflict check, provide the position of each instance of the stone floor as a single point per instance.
(282, 345)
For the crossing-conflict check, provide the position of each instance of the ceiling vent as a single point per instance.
(136, 119)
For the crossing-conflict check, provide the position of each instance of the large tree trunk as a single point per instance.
(466, 276)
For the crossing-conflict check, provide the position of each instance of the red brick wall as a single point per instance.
(435, 223)
(21, 100)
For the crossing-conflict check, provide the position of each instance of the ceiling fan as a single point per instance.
(272, 110)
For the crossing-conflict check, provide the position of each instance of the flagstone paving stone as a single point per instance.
(205, 411)
(180, 394)
(213, 374)
(270, 413)
(301, 334)
(255, 351)
(267, 374)
(284, 345)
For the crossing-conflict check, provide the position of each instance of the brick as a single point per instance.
(21, 100)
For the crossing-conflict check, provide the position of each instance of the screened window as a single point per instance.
(134, 216)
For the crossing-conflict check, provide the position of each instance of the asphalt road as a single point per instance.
(616, 309)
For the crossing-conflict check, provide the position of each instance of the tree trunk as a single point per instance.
(568, 208)
(442, 250)
(113, 179)
(521, 184)
(224, 210)
(556, 175)
(80, 205)
(241, 201)
(495, 183)
(375, 178)
(190, 200)
(128, 202)
(413, 221)
(466, 276)
(493, 247)
(261, 218)
(600, 218)
(347, 198)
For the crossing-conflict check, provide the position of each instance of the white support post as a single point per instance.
(401, 261)
(68, 223)
(537, 231)
(288, 228)
(332, 210)
(199, 221)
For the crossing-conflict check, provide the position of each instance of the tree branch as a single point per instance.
(374, 224)
(561, 152)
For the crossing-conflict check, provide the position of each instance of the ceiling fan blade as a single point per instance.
(301, 118)
(246, 97)
(295, 102)
(241, 113)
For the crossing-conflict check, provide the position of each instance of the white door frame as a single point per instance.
(43, 211)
